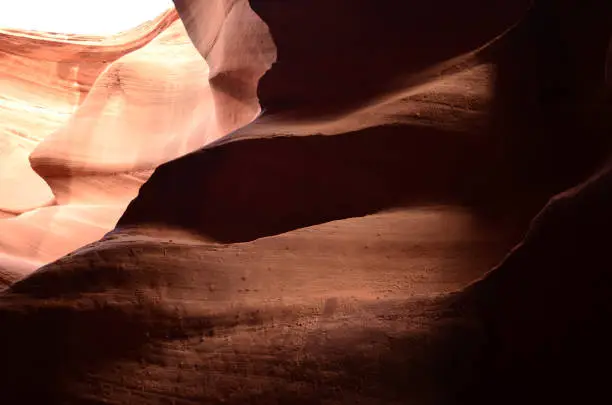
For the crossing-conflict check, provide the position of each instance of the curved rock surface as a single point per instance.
(319, 253)
(86, 120)
(139, 113)
(45, 78)
(387, 123)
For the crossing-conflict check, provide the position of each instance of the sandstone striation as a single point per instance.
(314, 202)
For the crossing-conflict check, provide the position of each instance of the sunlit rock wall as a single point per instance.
(84, 120)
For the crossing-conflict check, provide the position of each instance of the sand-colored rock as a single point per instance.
(319, 254)
(155, 103)
(437, 125)
(141, 111)
(106, 111)
(44, 78)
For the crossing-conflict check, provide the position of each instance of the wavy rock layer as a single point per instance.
(402, 128)
(84, 137)
(317, 306)
(45, 78)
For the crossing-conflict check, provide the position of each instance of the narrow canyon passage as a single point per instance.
(308, 202)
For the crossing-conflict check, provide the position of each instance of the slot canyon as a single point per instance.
(305, 202)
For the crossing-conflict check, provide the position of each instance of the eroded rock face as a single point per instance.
(547, 304)
(141, 111)
(84, 137)
(374, 84)
(167, 307)
(45, 78)
(388, 119)
(118, 107)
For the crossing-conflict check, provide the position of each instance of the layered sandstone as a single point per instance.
(85, 120)
(320, 252)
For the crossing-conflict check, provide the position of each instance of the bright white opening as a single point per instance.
(86, 17)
